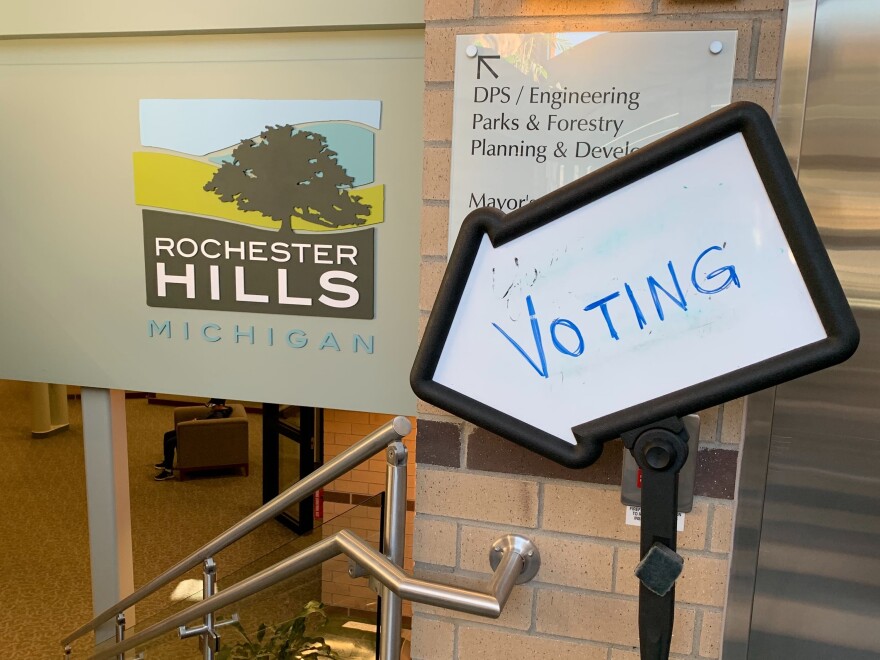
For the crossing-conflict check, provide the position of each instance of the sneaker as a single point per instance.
(163, 475)
(160, 465)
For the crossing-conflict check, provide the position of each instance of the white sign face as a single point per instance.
(533, 112)
(680, 277)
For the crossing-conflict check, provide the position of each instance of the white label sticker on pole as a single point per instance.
(634, 518)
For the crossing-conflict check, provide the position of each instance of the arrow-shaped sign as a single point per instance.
(481, 62)
(682, 276)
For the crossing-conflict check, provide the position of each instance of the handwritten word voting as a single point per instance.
(680, 277)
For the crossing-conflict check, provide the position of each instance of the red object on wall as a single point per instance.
(319, 502)
(639, 478)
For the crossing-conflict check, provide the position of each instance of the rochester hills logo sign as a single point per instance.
(282, 222)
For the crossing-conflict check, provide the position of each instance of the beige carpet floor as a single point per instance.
(44, 554)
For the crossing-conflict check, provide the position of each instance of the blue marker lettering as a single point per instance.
(653, 285)
(559, 345)
(730, 270)
(603, 304)
(536, 333)
(638, 310)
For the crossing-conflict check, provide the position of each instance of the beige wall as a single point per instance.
(583, 604)
(110, 17)
(93, 328)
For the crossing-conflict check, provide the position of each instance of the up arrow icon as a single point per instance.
(677, 278)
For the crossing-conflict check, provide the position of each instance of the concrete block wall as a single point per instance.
(473, 487)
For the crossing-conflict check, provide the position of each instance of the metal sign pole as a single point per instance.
(660, 449)
(106, 462)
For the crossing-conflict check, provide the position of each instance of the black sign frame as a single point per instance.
(797, 225)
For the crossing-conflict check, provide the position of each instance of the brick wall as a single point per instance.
(343, 428)
(350, 503)
(473, 487)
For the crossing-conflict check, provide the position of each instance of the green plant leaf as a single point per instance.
(286, 641)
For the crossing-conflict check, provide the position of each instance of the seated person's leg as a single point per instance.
(169, 444)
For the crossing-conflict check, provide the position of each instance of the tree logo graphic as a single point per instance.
(288, 172)
(281, 222)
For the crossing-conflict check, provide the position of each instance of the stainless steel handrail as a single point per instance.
(358, 453)
(518, 563)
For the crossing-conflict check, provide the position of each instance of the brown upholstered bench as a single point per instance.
(211, 444)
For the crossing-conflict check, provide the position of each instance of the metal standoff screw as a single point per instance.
(518, 546)
(396, 454)
(471, 51)
(356, 571)
(716, 47)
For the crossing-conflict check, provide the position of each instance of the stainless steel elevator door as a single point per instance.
(817, 586)
(817, 590)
